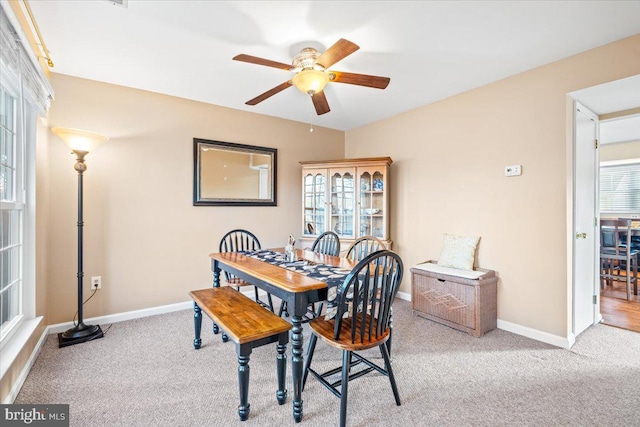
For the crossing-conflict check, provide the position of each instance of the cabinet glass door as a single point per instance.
(314, 203)
(372, 203)
(342, 203)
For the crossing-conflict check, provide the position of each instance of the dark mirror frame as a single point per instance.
(232, 147)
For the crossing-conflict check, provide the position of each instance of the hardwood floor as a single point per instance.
(616, 310)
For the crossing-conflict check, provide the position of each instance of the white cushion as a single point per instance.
(438, 269)
(458, 252)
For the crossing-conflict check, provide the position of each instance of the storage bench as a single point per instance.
(459, 301)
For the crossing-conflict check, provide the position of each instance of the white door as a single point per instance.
(585, 233)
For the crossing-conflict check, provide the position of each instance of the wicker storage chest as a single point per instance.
(469, 305)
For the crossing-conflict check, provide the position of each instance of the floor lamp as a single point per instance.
(81, 143)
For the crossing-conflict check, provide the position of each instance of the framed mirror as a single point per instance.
(228, 174)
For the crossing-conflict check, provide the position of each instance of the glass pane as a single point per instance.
(6, 183)
(14, 266)
(5, 228)
(6, 155)
(378, 183)
(3, 307)
(3, 156)
(9, 304)
(348, 181)
(308, 183)
(308, 201)
(3, 183)
(9, 264)
(5, 268)
(365, 182)
(14, 227)
(9, 106)
(3, 116)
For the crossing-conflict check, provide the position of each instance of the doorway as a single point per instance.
(619, 192)
(610, 99)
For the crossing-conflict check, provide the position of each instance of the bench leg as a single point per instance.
(281, 368)
(197, 324)
(244, 354)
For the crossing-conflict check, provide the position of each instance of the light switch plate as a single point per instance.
(514, 170)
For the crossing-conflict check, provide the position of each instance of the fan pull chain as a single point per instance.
(311, 121)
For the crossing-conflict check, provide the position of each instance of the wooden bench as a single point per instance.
(249, 325)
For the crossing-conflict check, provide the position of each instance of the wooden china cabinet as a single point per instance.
(349, 197)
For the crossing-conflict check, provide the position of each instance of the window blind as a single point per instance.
(620, 188)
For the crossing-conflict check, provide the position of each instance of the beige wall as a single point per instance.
(448, 177)
(620, 151)
(142, 234)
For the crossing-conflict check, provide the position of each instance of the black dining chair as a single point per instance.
(362, 247)
(362, 322)
(328, 243)
(613, 251)
(239, 240)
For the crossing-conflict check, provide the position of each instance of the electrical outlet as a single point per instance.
(96, 282)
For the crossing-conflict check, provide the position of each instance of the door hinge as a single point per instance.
(595, 299)
(596, 143)
(595, 221)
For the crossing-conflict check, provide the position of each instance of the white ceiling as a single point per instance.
(624, 129)
(430, 50)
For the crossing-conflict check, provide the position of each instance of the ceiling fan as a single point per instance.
(312, 73)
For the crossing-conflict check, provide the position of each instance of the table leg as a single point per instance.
(216, 284)
(297, 365)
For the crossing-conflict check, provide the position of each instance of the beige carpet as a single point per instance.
(145, 372)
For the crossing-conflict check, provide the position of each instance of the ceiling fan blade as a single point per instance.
(340, 50)
(320, 102)
(261, 61)
(376, 82)
(269, 93)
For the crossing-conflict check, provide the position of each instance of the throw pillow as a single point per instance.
(458, 252)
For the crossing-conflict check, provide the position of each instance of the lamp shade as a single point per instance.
(311, 81)
(80, 140)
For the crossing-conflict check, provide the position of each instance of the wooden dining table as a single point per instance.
(297, 289)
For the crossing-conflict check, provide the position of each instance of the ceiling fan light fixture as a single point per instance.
(310, 81)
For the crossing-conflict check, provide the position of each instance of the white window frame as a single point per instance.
(24, 201)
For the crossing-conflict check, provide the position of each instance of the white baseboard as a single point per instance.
(128, 315)
(555, 340)
(404, 296)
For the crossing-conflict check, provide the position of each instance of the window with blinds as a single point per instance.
(620, 188)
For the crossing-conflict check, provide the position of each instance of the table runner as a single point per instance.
(332, 276)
